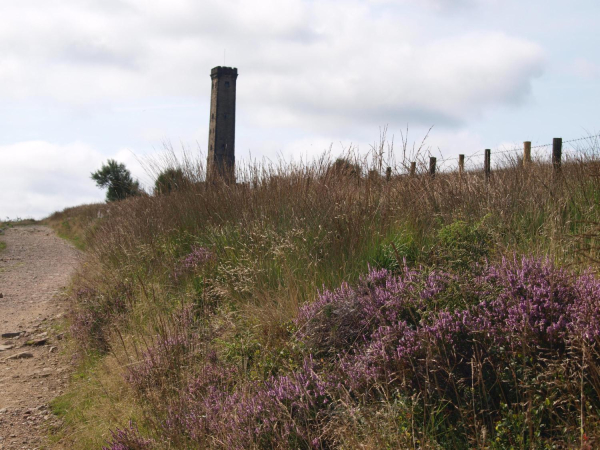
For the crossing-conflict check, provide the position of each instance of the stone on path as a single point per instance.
(11, 335)
(22, 355)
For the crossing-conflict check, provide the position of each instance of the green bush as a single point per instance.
(117, 178)
(170, 180)
(399, 247)
(460, 244)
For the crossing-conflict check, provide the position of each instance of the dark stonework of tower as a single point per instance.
(221, 134)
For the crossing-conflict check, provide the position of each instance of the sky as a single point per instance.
(83, 81)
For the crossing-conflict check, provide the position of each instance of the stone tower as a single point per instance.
(221, 134)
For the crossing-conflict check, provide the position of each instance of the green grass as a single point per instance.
(65, 231)
(2, 246)
(94, 403)
(77, 225)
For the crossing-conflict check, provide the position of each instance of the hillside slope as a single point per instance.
(314, 307)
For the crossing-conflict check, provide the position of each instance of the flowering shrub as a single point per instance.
(162, 363)
(129, 439)
(511, 362)
(531, 303)
(344, 319)
(528, 303)
(391, 332)
(282, 412)
(198, 257)
(94, 310)
(87, 328)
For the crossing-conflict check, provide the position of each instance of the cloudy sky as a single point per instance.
(82, 81)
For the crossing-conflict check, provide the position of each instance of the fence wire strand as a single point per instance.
(517, 151)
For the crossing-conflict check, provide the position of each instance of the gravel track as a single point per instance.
(35, 268)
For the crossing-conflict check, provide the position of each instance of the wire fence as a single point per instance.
(581, 147)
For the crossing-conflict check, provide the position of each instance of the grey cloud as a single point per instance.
(297, 59)
(95, 53)
(445, 82)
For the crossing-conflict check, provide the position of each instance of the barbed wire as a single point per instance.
(540, 146)
(587, 138)
(568, 142)
(441, 161)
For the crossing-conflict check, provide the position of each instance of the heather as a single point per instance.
(528, 322)
(327, 306)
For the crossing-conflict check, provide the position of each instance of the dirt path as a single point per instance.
(35, 267)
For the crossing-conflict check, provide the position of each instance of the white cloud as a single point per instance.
(439, 5)
(312, 73)
(442, 82)
(298, 60)
(38, 178)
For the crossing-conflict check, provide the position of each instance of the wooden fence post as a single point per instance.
(432, 161)
(556, 154)
(526, 152)
(413, 168)
(487, 164)
(461, 163)
(388, 174)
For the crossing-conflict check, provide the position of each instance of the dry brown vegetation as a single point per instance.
(275, 240)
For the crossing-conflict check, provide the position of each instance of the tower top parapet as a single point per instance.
(220, 70)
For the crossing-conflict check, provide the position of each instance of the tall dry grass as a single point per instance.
(277, 238)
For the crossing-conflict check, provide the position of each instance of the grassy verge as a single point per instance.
(95, 403)
(327, 306)
(17, 222)
(77, 224)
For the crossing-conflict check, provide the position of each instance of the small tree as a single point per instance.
(170, 180)
(117, 178)
(342, 167)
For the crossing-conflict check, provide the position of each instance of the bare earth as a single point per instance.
(35, 268)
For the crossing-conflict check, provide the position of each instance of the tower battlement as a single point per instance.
(220, 70)
(221, 134)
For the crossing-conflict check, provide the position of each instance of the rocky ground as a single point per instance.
(35, 268)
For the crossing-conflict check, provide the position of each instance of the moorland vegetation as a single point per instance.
(326, 305)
